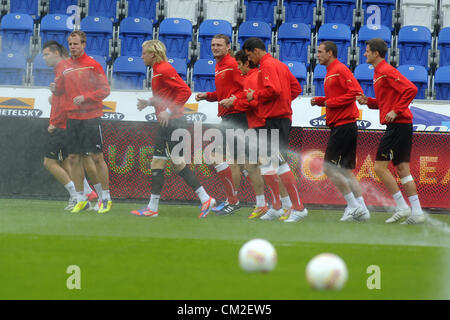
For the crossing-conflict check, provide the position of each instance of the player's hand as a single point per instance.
(142, 104)
(163, 118)
(250, 94)
(362, 99)
(200, 96)
(227, 103)
(390, 117)
(51, 128)
(52, 87)
(313, 101)
(78, 100)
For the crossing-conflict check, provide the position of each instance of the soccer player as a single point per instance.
(170, 93)
(85, 85)
(277, 87)
(341, 90)
(255, 121)
(393, 95)
(228, 81)
(55, 55)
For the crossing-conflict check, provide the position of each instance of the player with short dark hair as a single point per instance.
(393, 95)
(341, 90)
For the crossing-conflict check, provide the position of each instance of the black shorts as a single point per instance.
(341, 148)
(283, 126)
(164, 144)
(56, 145)
(84, 136)
(396, 143)
(234, 121)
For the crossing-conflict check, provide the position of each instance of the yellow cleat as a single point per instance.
(258, 212)
(80, 206)
(105, 206)
(286, 214)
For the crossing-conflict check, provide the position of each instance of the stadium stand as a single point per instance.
(418, 12)
(442, 83)
(299, 11)
(133, 32)
(318, 76)
(206, 31)
(186, 9)
(104, 8)
(61, 6)
(443, 46)
(222, 9)
(339, 34)
(293, 42)
(31, 7)
(445, 13)
(13, 69)
(149, 9)
(379, 12)
(129, 73)
(417, 75)
(339, 12)
(367, 33)
(414, 46)
(99, 36)
(203, 75)
(176, 33)
(102, 61)
(42, 75)
(54, 27)
(298, 69)
(249, 29)
(261, 11)
(180, 66)
(16, 33)
(364, 74)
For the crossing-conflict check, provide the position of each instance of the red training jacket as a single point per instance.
(169, 90)
(341, 90)
(393, 91)
(228, 80)
(277, 87)
(58, 113)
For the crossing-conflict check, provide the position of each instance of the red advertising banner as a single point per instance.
(128, 148)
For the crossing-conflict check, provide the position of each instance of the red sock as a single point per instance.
(272, 182)
(227, 179)
(290, 184)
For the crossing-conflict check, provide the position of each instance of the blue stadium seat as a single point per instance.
(369, 32)
(298, 69)
(30, 7)
(417, 75)
(203, 75)
(299, 11)
(101, 60)
(260, 10)
(339, 11)
(103, 8)
(13, 68)
(176, 33)
(181, 67)
(54, 27)
(148, 9)
(261, 30)
(42, 74)
(414, 44)
(442, 83)
(99, 34)
(364, 74)
(207, 30)
(16, 31)
(319, 74)
(444, 47)
(133, 33)
(378, 12)
(60, 6)
(294, 40)
(340, 34)
(129, 73)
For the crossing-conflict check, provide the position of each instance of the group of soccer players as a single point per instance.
(253, 90)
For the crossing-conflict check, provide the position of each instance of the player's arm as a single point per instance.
(101, 84)
(406, 89)
(296, 88)
(179, 90)
(352, 90)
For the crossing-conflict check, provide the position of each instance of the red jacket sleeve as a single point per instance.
(271, 87)
(406, 89)
(320, 101)
(296, 88)
(372, 103)
(347, 81)
(100, 82)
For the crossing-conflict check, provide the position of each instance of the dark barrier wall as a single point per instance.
(128, 149)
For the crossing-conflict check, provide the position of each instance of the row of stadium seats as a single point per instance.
(129, 73)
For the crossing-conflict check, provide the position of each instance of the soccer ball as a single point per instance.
(257, 255)
(326, 271)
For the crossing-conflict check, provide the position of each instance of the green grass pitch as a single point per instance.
(177, 256)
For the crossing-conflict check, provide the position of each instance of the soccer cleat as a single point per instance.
(92, 196)
(80, 206)
(105, 206)
(228, 209)
(286, 214)
(272, 214)
(352, 214)
(415, 219)
(258, 211)
(206, 207)
(72, 203)
(296, 215)
(399, 215)
(365, 216)
(218, 207)
(145, 212)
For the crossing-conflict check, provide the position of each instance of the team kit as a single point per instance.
(253, 94)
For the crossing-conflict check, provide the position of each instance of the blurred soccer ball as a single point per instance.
(257, 255)
(326, 271)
